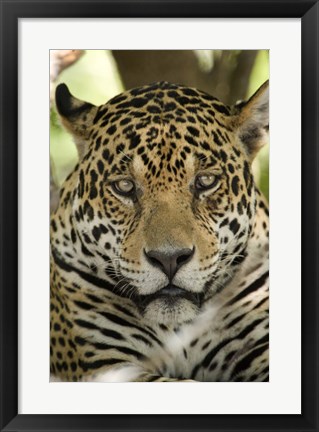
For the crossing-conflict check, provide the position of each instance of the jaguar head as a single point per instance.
(162, 202)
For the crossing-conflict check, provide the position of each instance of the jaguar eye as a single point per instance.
(124, 187)
(204, 182)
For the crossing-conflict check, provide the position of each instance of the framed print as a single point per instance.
(156, 314)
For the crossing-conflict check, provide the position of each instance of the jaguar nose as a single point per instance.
(169, 263)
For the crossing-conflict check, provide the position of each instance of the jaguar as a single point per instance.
(159, 243)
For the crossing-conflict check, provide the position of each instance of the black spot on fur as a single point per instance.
(193, 131)
(234, 226)
(234, 185)
(135, 140)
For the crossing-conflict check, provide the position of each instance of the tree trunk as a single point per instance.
(227, 80)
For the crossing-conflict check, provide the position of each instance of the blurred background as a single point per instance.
(97, 75)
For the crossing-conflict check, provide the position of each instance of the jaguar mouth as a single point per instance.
(171, 294)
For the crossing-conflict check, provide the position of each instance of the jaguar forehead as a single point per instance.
(158, 157)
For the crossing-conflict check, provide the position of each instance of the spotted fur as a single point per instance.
(159, 244)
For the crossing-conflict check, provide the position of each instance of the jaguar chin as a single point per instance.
(170, 305)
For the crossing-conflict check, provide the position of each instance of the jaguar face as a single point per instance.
(162, 202)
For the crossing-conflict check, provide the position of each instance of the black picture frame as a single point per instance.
(11, 11)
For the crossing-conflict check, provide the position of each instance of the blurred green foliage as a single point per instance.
(95, 78)
(259, 75)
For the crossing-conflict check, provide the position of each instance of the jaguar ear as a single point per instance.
(76, 115)
(252, 121)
